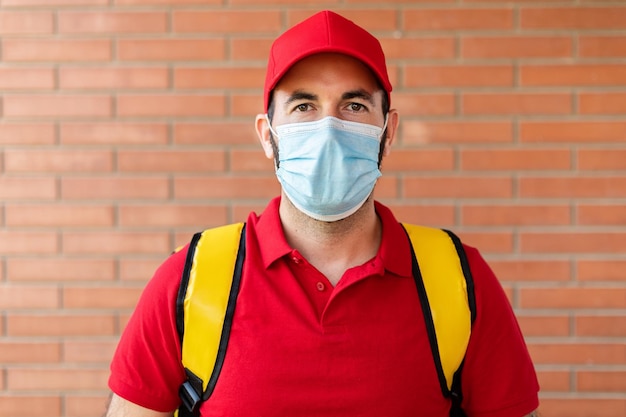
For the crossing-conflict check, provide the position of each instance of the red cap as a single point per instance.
(324, 32)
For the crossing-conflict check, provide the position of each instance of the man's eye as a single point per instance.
(302, 107)
(356, 107)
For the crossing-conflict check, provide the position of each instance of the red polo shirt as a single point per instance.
(299, 347)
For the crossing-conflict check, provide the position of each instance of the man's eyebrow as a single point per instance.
(362, 94)
(300, 95)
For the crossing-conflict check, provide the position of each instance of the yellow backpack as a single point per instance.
(210, 285)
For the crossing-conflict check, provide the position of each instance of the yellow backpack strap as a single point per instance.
(204, 309)
(446, 292)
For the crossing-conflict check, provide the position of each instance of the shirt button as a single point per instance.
(296, 260)
(321, 286)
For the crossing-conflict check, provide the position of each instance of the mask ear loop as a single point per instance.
(272, 131)
(382, 132)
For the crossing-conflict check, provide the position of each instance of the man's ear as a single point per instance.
(262, 127)
(392, 129)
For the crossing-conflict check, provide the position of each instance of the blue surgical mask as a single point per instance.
(328, 168)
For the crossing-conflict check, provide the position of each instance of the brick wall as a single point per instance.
(126, 125)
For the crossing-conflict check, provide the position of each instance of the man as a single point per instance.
(327, 321)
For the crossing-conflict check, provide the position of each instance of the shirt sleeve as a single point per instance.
(498, 376)
(146, 368)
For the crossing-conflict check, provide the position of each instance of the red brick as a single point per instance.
(573, 131)
(17, 297)
(225, 187)
(419, 160)
(89, 351)
(170, 49)
(573, 18)
(570, 297)
(60, 269)
(577, 353)
(19, 188)
(421, 132)
(17, 242)
(516, 47)
(554, 380)
(114, 133)
(572, 75)
(426, 214)
(573, 187)
(58, 161)
(600, 326)
(85, 406)
(227, 21)
(243, 160)
(516, 103)
(27, 134)
(139, 269)
(117, 188)
(515, 215)
(72, 22)
(602, 103)
(38, 406)
(178, 105)
(488, 242)
(413, 47)
(602, 46)
(219, 78)
(100, 297)
(608, 242)
(159, 216)
(457, 19)
(73, 106)
(550, 326)
(171, 161)
(531, 270)
(26, 78)
(246, 105)
(24, 215)
(115, 242)
(566, 406)
(26, 23)
(601, 270)
(42, 50)
(597, 214)
(465, 186)
(496, 159)
(601, 381)
(75, 78)
(244, 49)
(60, 325)
(56, 379)
(458, 76)
(220, 133)
(413, 104)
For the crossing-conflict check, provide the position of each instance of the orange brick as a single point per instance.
(26, 78)
(573, 131)
(18, 188)
(56, 216)
(244, 49)
(601, 270)
(92, 351)
(602, 46)
(57, 106)
(420, 132)
(569, 297)
(465, 186)
(100, 297)
(219, 133)
(535, 326)
(600, 326)
(242, 160)
(573, 187)
(114, 133)
(28, 297)
(458, 76)
(240, 212)
(412, 104)
(380, 19)
(171, 161)
(72, 22)
(60, 325)
(227, 21)
(566, 406)
(166, 2)
(38, 406)
(230, 78)
(75, 78)
(85, 406)
(245, 105)
(226, 187)
(27, 134)
(602, 103)
(158, 216)
(139, 269)
(573, 18)
(58, 161)
(56, 379)
(177, 105)
(26, 23)
(601, 381)
(596, 214)
(25, 352)
(457, 19)
(602, 159)
(516, 103)
(515, 215)
(414, 47)
(170, 49)
(122, 188)
(387, 187)
(516, 47)
(42, 50)
(488, 242)
(531, 270)
(573, 75)
(49, 3)
(114, 242)
(525, 159)
(425, 214)
(554, 380)
(419, 160)
(609, 242)
(28, 243)
(60, 269)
